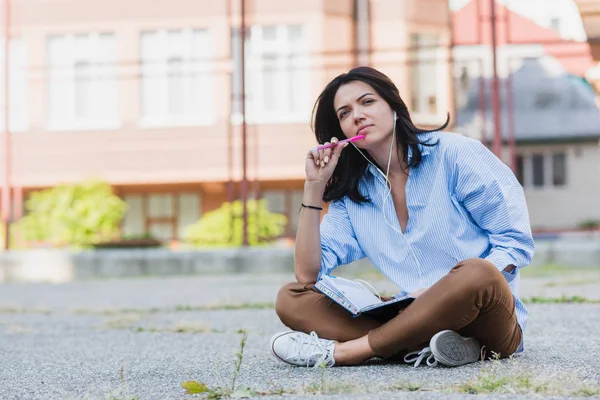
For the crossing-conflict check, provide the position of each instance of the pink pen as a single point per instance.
(352, 139)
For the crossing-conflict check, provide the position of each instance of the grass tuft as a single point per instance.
(560, 300)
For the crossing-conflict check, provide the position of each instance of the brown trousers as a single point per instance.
(473, 299)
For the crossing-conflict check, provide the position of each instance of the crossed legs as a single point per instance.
(473, 299)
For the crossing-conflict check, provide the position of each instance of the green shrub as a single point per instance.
(215, 227)
(73, 214)
(590, 224)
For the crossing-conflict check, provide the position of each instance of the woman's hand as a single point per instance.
(320, 164)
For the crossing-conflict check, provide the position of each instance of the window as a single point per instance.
(296, 202)
(176, 84)
(82, 90)
(537, 161)
(188, 211)
(542, 169)
(555, 24)
(286, 202)
(520, 169)
(424, 69)
(163, 215)
(17, 87)
(463, 86)
(546, 98)
(277, 74)
(134, 221)
(559, 169)
(160, 205)
(276, 201)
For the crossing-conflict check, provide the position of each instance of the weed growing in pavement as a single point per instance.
(229, 391)
(123, 392)
(559, 300)
(497, 378)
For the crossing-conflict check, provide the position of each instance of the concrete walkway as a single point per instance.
(142, 338)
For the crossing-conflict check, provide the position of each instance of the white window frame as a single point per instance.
(105, 68)
(283, 48)
(18, 85)
(189, 117)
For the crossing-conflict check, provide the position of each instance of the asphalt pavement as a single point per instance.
(142, 338)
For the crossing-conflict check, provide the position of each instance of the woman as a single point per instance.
(437, 213)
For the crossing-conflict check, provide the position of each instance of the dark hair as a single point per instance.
(352, 165)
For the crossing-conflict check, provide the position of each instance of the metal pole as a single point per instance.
(479, 24)
(451, 71)
(6, 200)
(483, 104)
(497, 142)
(355, 28)
(370, 33)
(481, 81)
(511, 122)
(244, 184)
(510, 108)
(232, 99)
(361, 33)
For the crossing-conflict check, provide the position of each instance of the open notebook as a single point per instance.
(355, 297)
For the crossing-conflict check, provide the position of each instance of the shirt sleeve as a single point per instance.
(494, 198)
(339, 245)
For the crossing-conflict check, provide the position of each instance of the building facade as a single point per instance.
(546, 108)
(148, 97)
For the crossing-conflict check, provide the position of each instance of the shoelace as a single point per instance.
(418, 356)
(316, 346)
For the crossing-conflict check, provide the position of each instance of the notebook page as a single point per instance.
(353, 291)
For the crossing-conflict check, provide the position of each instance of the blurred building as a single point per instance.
(547, 110)
(148, 95)
(590, 15)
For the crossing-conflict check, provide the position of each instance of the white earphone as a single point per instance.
(385, 176)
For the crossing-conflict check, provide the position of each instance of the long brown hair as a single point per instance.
(352, 166)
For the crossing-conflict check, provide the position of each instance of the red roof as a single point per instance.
(471, 26)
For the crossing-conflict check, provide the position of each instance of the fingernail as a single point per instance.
(316, 161)
(322, 163)
(326, 159)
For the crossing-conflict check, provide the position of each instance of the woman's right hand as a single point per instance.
(320, 164)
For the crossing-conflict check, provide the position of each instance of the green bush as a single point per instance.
(73, 214)
(215, 227)
(590, 224)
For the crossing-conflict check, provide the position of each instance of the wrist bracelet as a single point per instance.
(307, 206)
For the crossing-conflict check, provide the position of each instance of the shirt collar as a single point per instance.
(425, 150)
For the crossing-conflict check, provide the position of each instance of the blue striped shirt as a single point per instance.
(463, 202)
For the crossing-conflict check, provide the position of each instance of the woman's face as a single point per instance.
(361, 111)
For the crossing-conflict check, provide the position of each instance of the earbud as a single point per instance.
(395, 117)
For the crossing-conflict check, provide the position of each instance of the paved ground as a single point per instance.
(142, 338)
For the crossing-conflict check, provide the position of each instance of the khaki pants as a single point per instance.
(473, 299)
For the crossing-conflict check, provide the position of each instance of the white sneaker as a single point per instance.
(298, 348)
(452, 349)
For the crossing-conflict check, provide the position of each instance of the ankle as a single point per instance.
(354, 352)
(343, 354)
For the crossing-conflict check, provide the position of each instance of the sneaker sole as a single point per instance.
(275, 337)
(451, 349)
